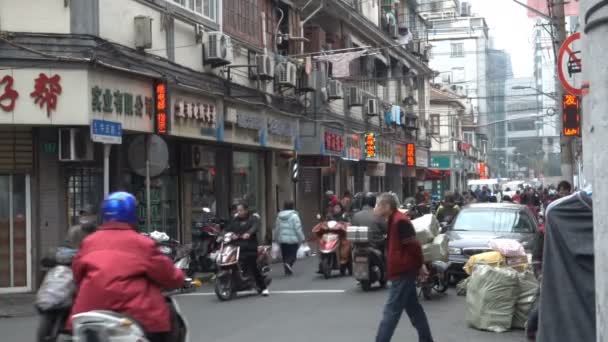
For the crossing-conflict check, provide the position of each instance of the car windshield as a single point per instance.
(491, 220)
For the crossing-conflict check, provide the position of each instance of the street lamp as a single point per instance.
(551, 96)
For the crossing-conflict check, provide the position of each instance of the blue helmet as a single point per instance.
(120, 207)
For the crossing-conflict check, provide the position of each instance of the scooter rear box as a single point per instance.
(357, 234)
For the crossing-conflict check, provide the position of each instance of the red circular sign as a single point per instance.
(569, 59)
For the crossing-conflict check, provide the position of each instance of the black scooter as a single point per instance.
(369, 265)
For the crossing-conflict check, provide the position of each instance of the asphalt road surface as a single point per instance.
(302, 308)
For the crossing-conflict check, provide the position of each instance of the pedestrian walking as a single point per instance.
(405, 260)
(288, 234)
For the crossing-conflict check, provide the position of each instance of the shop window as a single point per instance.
(85, 187)
(245, 179)
(202, 186)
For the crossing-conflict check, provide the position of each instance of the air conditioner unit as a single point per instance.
(334, 90)
(217, 49)
(307, 82)
(75, 144)
(265, 67)
(355, 97)
(286, 74)
(143, 32)
(372, 107)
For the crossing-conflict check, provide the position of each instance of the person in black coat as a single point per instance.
(246, 225)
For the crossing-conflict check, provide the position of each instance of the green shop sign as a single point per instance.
(441, 163)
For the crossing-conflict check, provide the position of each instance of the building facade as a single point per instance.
(192, 104)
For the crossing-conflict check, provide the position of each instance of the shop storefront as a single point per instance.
(375, 170)
(438, 177)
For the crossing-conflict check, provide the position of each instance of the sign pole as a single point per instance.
(148, 204)
(107, 148)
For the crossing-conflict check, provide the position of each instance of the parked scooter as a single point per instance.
(334, 249)
(437, 279)
(231, 277)
(107, 326)
(205, 242)
(369, 262)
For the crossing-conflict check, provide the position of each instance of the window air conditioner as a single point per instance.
(372, 107)
(218, 49)
(355, 97)
(286, 74)
(265, 67)
(143, 32)
(75, 144)
(334, 90)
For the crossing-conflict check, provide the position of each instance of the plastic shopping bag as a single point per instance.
(276, 251)
(57, 289)
(303, 251)
(508, 247)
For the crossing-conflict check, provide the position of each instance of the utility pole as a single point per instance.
(558, 22)
(595, 126)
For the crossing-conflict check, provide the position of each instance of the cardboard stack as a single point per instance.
(434, 245)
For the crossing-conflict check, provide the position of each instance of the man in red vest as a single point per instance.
(405, 260)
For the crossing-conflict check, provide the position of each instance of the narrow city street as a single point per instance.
(302, 308)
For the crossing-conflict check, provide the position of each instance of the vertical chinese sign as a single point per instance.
(571, 122)
(410, 154)
(370, 145)
(161, 120)
(482, 171)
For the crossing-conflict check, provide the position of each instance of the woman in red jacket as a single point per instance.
(120, 270)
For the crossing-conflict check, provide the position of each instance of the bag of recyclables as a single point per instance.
(527, 294)
(57, 289)
(427, 227)
(491, 297)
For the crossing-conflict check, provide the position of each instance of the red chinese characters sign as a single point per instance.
(46, 91)
(571, 121)
(410, 153)
(334, 142)
(160, 91)
(9, 96)
(370, 145)
(482, 171)
(353, 148)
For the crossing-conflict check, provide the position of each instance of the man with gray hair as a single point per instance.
(405, 260)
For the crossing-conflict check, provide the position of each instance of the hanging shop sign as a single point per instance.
(333, 143)
(370, 145)
(383, 151)
(42, 96)
(571, 120)
(354, 150)
(400, 154)
(482, 171)
(411, 155)
(160, 96)
(441, 162)
(193, 116)
(422, 158)
(133, 103)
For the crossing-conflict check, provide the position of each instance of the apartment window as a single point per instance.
(205, 8)
(468, 137)
(242, 19)
(435, 122)
(457, 50)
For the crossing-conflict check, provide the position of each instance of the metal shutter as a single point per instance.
(16, 150)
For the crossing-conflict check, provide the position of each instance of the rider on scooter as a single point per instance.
(375, 224)
(246, 225)
(118, 269)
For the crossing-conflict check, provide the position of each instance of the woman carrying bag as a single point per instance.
(288, 233)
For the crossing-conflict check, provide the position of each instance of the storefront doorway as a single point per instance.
(15, 233)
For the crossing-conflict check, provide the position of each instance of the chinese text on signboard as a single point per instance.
(482, 171)
(572, 116)
(161, 108)
(45, 94)
(370, 145)
(411, 155)
(334, 142)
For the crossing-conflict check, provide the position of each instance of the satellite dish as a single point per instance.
(158, 153)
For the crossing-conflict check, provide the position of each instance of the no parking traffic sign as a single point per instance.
(570, 65)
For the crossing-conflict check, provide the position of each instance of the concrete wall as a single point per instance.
(50, 16)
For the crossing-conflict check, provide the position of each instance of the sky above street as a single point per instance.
(512, 31)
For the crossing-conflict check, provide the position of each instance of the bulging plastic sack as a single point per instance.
(57, 289)
(427, 227)
(527, 295)
(276, 251)
(508, 247)
(303, 251)
(491, 297)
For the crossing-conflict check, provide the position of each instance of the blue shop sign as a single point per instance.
(106, 132)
